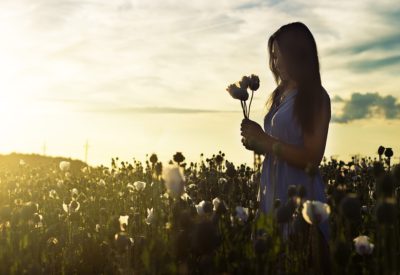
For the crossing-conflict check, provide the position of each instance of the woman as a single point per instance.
(296, 125)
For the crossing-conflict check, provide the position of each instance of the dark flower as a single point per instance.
(237, 92)
(254, 82)
(244, 83)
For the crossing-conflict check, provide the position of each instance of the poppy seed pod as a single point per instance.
(153, 158)
(381, 150)
(389, 152)
(178, 157)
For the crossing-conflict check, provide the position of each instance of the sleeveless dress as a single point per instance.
(280, 123)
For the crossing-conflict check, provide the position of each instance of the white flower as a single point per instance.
(73, 206)
(130, 187)
(242, 213)
(150, 216)
(216, 202)
(65, 165)
(101, 182)
(315, 212)
(60, 183)
(22, 162)
(53, 194)
(74, 192)
(363, 246)
(185, 197)
(200, 207)
(222, 180)
(123, 222)
(139, 185)
(192, 186)
(174, 180)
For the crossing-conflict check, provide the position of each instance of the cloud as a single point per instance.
(361, 106)
(337, 98)
(367, 65)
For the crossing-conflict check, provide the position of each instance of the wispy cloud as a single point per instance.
(377, 64)
(155, 53)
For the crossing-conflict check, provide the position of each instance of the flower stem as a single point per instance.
(251, 99)
(244, 113)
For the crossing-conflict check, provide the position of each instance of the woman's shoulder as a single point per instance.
(325, 95)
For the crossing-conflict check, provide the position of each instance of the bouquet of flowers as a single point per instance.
(238, 90)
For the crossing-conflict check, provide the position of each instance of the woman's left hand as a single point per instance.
(251, 129)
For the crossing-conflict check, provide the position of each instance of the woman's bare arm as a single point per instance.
(314, 144)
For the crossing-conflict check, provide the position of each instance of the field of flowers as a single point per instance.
(195, 218)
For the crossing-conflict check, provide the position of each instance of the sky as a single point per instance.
(138, 77)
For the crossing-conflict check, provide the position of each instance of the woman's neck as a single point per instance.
(290, 85)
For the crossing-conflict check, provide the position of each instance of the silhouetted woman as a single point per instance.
(296, 125)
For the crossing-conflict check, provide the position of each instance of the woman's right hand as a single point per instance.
(251, 145)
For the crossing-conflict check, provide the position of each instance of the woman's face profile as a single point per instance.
(279, 61)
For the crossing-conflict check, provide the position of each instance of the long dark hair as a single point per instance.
(299, 50)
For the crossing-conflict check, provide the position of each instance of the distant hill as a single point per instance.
(14, 161)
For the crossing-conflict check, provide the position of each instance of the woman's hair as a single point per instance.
(298, 47)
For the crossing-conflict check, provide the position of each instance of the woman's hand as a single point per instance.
(253, 136)
(251, 129)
